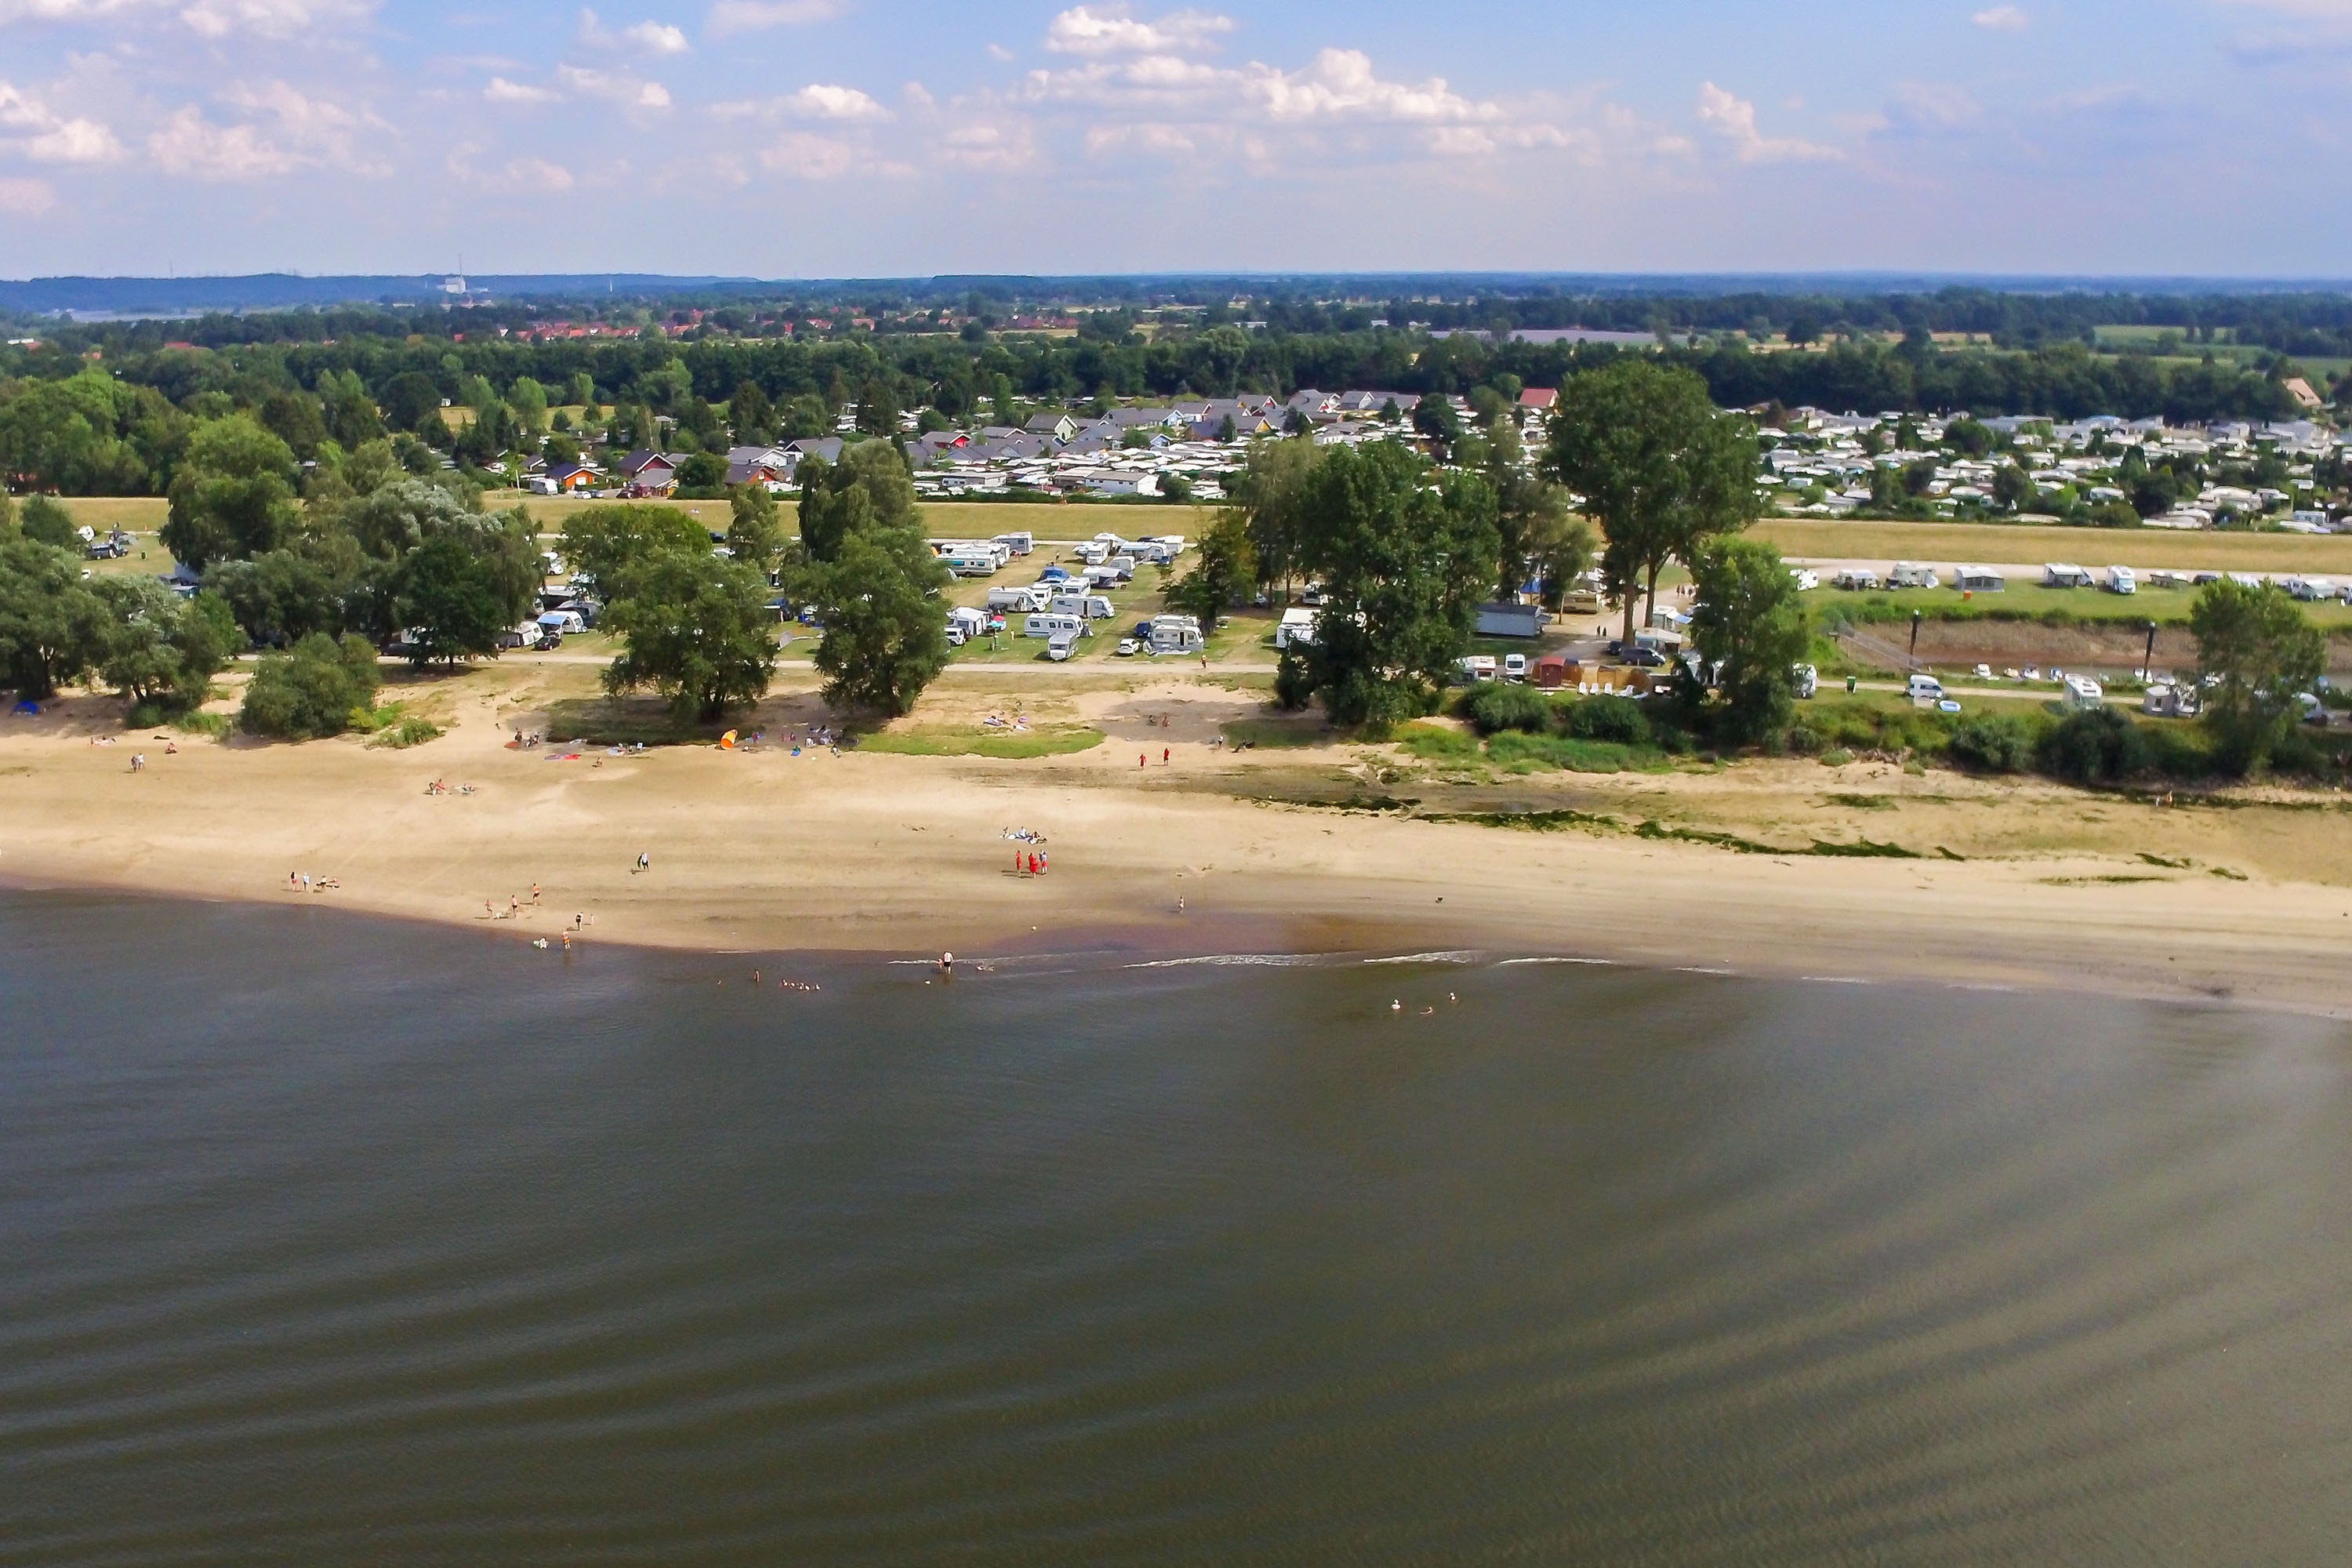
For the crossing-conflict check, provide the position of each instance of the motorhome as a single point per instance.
(2083, 694)
(1047, 623)
(2059, 574)
(1176, 634)
(1298, 628)
(1020, 601)
(1924, 688)
(1477, 667)
(1805, 577)
(1021, 543)
(970, 563)
(1857, 579)
(1089, 606)
(1911, 574)
(2121, 580)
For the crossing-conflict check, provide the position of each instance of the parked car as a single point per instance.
(1127, 648)
(1644, 658)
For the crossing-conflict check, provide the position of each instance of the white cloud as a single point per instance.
(1734, 120)
(823, 102)
(807, 157)
(621, 90)
(648, 37)
(502, 90)
(26, 198)
(755, 16)
(190, 144)
(49, 137)
(1341, 83)
(656, 37)
(1001, 55)
(1084, 31)
(268, 19)
(2002, 19)
(65, 10)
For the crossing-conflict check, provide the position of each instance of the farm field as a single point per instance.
(1967, 542)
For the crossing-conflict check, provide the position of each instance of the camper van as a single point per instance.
(1087, 606)
(2083, 694)
(1176, 634)
(1911, 574)
(1924, 688)
(1020, 601)
(1021, 543)
(2121, 580)
(1856, 579)
(1476, 666)
(1047, 623)
(2059, 574)
(1806, 579)
(970, 563)
(1298, 628)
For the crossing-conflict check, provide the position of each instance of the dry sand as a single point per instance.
(908, 854)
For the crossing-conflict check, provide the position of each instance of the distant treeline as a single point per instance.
(115, 425)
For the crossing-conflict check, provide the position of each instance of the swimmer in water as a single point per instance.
(947, 964)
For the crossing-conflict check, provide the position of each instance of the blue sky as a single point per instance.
(859, 137)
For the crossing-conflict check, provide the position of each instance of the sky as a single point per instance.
(833, 138)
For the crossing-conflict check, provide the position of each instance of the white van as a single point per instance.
(1925, 688)
(1049, 625)
(1911, 574)
(2083, 694)
(1515, 668)
(2120, 580)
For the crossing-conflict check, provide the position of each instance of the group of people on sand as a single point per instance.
(441, 787)
(303, 882)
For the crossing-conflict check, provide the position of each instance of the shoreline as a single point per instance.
(869, 853)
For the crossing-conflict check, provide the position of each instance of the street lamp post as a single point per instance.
(2148, 665)
(1916, 617)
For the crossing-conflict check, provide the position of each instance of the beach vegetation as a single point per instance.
(1661, 469)
(1750, 623)
(1493, 706)
(2265, 654)
(872, 578)
(313, 690)
(694, 627)
(1403, 562)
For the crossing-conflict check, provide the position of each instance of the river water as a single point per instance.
(331, 1241)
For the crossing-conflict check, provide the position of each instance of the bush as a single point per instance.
(1494, 707)
(1992, 745)
(1435, 743)
(406, 733)
(2099, 746)
(1615, 719)
(311, 691)
(1804, 739)
(1837, 758)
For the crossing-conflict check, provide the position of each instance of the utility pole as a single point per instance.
(2148, 665)
(1915, 616)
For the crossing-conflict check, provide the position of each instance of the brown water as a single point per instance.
(325, 1241)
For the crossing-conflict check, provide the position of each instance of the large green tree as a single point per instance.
(1750, 619)
(884, 625)
(448, 603)
(310, 690)
(1403, 563)
(2266, 653)
(756, 534)
(1271, 488)
(1659, 467)
(1224, 569)
(695, 627)
(233, 495)
(161, 648)
(602, 542)
(870, 488)
(52, 627)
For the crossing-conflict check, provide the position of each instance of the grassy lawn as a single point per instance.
(1073, 520)
(981, 741)
(1968, 543)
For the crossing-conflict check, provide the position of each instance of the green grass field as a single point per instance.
(981, 742)
(2031, 602)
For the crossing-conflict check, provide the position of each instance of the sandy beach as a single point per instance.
(762, 850)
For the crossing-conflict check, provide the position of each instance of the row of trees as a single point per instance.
(80, 430)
